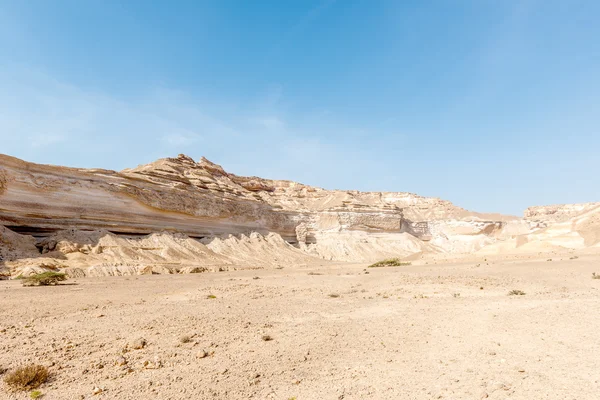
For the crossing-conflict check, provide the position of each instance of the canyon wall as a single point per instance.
(175, 214)
(175, 195)
(201, 199)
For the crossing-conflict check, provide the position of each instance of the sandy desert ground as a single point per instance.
(443, 331)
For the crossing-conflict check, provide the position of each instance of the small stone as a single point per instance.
(156, 364)
(202, 354)
(501, 386)
(121, 361)
(138, 343)
(96, 391)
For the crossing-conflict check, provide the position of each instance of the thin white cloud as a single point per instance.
(270, 123)
(178, 139)
(48, 121)
(45, 120)
(51, 121)
(46, 139)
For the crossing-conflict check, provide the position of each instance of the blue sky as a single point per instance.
(492, 104)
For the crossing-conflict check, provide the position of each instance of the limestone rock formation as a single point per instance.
(199, 199)
(559, 212)
(175, 194)
(178, 215)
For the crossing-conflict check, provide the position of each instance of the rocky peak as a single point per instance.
(185, 159)
(212, 167)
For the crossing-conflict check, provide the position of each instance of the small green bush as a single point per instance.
(392, 262)
(516, 293)
(44, 279)
(595, 276)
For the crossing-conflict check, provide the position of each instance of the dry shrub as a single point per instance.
(392, 262)
(516, 293)
(27, 378)
(44, 279)
(185, 339)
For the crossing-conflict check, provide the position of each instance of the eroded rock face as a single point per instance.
(558, 212)
(2, 181)
(173, 194)
(195, 198)
(175, 213)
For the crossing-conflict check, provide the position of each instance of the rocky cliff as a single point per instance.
(179, 211)
(201, 199)
(173, 194)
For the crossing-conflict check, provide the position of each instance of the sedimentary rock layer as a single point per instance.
(175, 195)
(200, 199)
(178, 215)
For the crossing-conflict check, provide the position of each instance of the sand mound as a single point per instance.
(258, 250)
(14, 246)
(588, 226)
(362, 247)
(102, 247)
(576, 233)
(101, 253)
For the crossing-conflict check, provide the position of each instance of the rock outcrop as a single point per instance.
(176, 213)
(546, 215)
(176, 195)
(200, 199)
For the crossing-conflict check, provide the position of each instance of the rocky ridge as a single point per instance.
(178, 215)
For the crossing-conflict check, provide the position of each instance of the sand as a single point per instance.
(443, 331)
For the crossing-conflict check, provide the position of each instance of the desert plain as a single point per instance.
(447, 330)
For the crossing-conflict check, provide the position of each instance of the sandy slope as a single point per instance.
(445, 331)
(101, 253)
